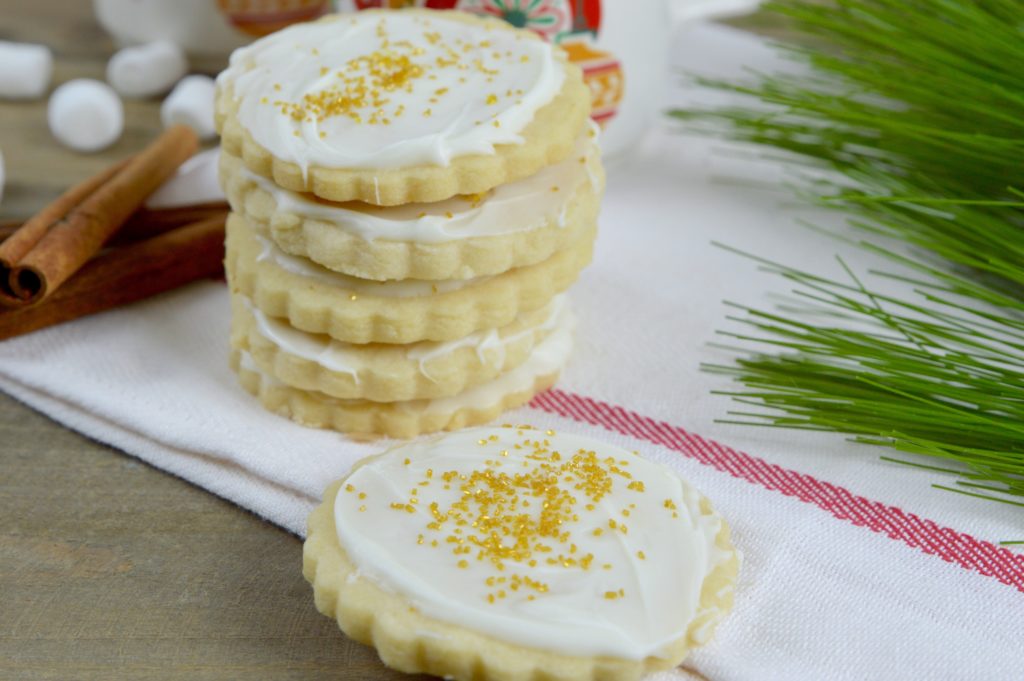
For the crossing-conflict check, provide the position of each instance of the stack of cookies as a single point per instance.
(412, 193)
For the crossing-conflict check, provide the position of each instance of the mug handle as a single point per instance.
(690, 10)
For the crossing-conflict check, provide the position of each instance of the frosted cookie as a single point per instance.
(364, 419)
(519, 554)
(314, 299)
(394, 107)
(462, 237)
(385, 372)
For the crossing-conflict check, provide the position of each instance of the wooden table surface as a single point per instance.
(111, 569)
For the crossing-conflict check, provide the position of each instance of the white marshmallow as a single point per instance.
(146, 70)
(25, 70)
(191, 103)
(85, 115)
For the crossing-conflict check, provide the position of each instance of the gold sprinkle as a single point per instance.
(492, 99)
(349, 488)
(427, 113)
(362, 509)
(640, 555)
(463, 564)
(407, 461)
(353, 297)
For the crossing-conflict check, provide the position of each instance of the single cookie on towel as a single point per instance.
(514, 554)
(364, 419)
(314, 299)
(394, 107)
(513, 225)
(384, 372)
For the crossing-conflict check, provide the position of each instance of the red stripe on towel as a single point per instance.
(928, 536)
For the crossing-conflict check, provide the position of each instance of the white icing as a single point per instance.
(548, 357)
(660, 592)
(515, 207)
(489, 344)
(347, 358)
(399, 288)
(331, 354)
(307, 59)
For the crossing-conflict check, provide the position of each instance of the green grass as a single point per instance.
(917, 108)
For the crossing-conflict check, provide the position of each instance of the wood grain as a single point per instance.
(110, 569)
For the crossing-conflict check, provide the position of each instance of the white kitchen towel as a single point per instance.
(855, 568)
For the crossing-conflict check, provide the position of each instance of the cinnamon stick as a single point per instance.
(72, 239)
(144, 223)
(125, 275)
(24, 240)
(147, 222)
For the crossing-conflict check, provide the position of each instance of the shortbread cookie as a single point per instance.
(398, 107)
(318, 300)
(385, 372)
(363, 419)
(517, 554)
(513, 225)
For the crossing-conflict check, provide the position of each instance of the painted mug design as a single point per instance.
(260, 17)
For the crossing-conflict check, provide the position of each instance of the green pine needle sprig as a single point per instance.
(917, 110)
